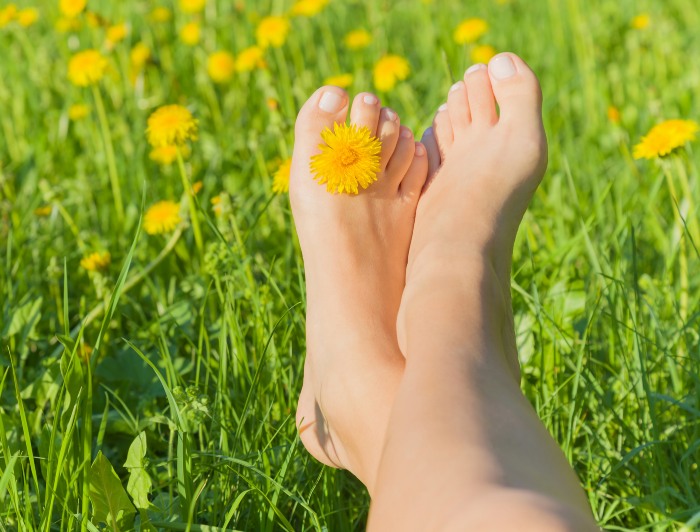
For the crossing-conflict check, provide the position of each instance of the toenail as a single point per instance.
(370, 99)
(428, 131)
(443, 107)
(406, 133)
(474, 68)
(502, 67)
(330, 102)
(420, 150)
(456, 86)
(390, 115)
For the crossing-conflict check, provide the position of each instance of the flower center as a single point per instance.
(347, 156)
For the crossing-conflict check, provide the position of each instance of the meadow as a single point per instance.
(152, 297)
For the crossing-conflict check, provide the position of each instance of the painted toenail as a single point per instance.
(456, 86)
(428, 131)
(370, 99)
(330, 102)
(390, 115)
(420, 150)
(502, 67)
(406, 133)
(475, 68)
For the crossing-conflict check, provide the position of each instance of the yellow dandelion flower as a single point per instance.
(43, 211)
(197, 186)
(221, 66)
(190, 33)
(250, 59)
(95, 21)
(86, 68)
(27, 17)
(272, 31)
(614, 114)
(219, 204)
(167, 155)
(272, 104)
(280, 181)
(140, 54)
(160, 14)
(171, 125)
(65, 24)
(116, 33)
(7, 14)
(162, 217)
(641, 21)
(96, 261)
(192, 6)
(389, 70)
(78, 111)
(308, 8)
(72, 8)
(349, 159)
(342, 80)
(358, 39)
(482, 53)
(470, 30)
(665, 137)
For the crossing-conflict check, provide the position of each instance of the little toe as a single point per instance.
(442, 128)
(482, 104)
(458, 107)
(417, 173)
(401, 158)
(365, 111)
(516, 88)
(388, 133)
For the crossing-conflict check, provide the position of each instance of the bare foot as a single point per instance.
(355, 250)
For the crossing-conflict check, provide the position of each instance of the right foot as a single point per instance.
(484, 168)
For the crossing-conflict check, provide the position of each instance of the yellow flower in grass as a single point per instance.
(197, 186)
(641, 21)
(78, 111)
(614, 114)
(358, 39)
(160, 14)
(272, 31)
(86, 68)
(162, 217)
(342, 80)
(349, 159)
(65, 24)
(116, 33)
(72, 8)
(167, 155)
(308, 8)
(171, 125)
(96, 261)
(280, 181)
(7, 14)
(482, 53)
(192, 6)
(190, 33)
(140, 54)
(665, 137)
(470, 30)
(389, 70)
(44, 210)
(221, 66)
(95, 21)
(250, 59)
(27, 17)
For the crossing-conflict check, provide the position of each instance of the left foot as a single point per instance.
(355, 249)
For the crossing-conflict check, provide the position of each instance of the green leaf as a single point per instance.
(110, 503)
(24, 318)
(139, 485)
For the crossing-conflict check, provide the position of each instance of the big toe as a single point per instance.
(516, 89)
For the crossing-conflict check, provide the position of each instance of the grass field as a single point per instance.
(156, 387)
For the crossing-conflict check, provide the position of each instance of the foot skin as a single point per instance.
(355, 251)
(484, 168)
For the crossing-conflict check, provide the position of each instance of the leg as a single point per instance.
(355, 250)
(463, 444)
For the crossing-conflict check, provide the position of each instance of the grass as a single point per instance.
(184, 416)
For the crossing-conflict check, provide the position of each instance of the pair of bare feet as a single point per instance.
(408, 302)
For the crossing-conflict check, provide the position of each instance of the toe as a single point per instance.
(388, 133)
(458, 107)
(365, 111)
(482, 104)
(401, 159)
(417, 173)
(442, 127)
(433, 153)
(516, 88)
(310, 424)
